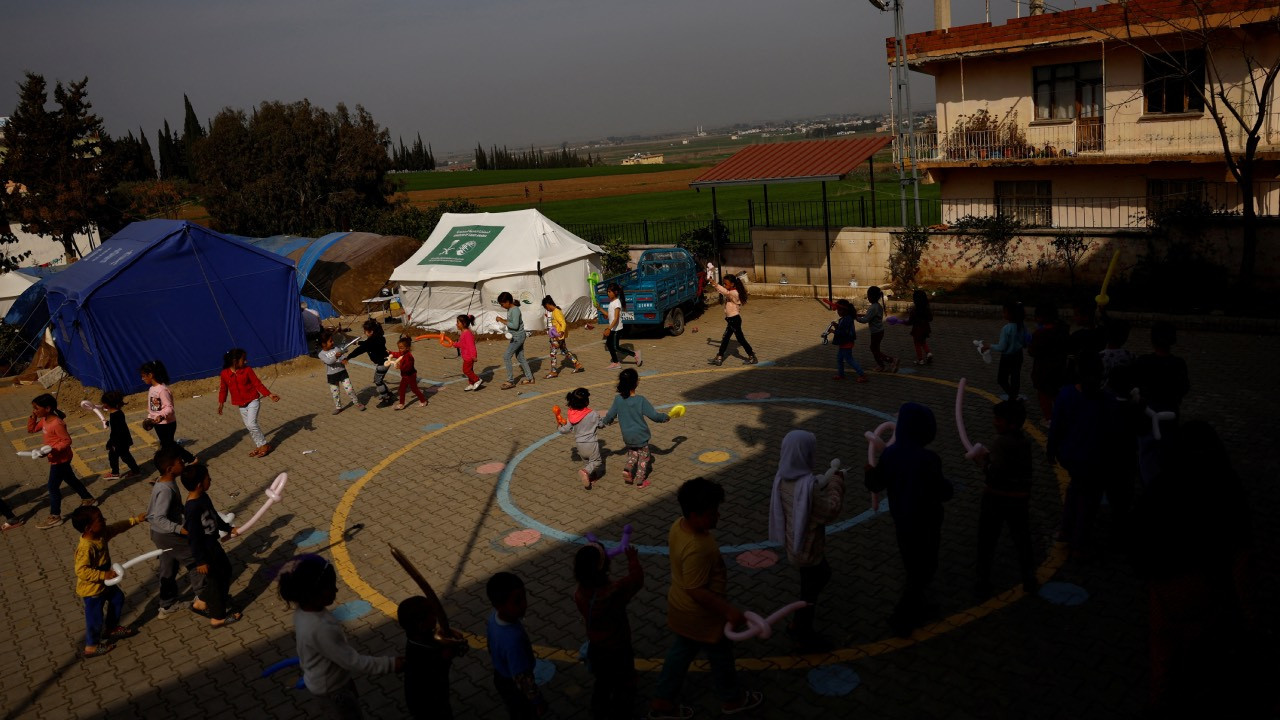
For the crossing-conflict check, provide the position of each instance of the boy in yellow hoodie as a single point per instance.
(93, 570)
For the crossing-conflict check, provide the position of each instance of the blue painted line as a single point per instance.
(647, 373)
(307, 538)
(529, 394)
(906, 371)
(766, 363)
(352, 475)
(543, 671)
(433, 427)
(509, 506)
(352, 610)
(833, 680)
(1064, 593)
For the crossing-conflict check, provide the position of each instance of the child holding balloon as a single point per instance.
(202, 522)
(161, 415)
(120, 439)
(165, 517)
(630, 410)
(583, 422)
(102, 604)
(873, 318)
(603, 606)
(558, 336)
(46, 418)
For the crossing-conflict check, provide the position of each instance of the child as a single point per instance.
(1088, 338)
(845, 335)
(102, 604)
(165, 516)
(698, 607)
(799, 511)
(246, 389)
(1006, 497)
(583, 423)
(921, 322)
(120, 439)
(1162, 382)
(515, 326)
(336, 373)
(1012, 340)
(874, 320)
(426, 660)
(558, 335)
(912, 474)
(510, 649)
(161, 414)
(202, 522)
(47, 418)
(467, 351)
(1117, 362)
(630, 410)
(328, 662)
(603, 606)
(735, 296)
(1048, 352)
(375, 345)
(408, 372)
(613, 329)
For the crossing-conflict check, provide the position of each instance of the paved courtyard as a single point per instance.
(479, 482)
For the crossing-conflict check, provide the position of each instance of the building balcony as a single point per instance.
(1085, 140)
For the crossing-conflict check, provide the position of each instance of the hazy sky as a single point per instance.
(493, 71)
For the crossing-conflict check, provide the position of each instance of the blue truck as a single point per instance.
(665, 287)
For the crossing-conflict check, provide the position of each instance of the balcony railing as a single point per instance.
(1085, 137)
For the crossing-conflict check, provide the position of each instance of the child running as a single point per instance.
(514, 323)
(161, 414)
(165, 517)
(603, 607)
(328, 662)
(630, 410)
(467, 351)
(735, 296)
(102, 604)
(613, 329)
(510, 649)
(583, 422)
(874, 320)
(1012, 339)
(403, 357)
(845, 335)
(1006, 497)
(246, 390)
(921, 322)
(374, 345)
(48, 419)
(336, 373)
(202, 522)
(557, 336)
(120, 439)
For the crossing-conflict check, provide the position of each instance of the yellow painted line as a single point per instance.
(351, 575)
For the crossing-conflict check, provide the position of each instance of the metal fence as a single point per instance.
(863, 212)
(658, 232)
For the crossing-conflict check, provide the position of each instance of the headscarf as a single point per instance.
(795, 475)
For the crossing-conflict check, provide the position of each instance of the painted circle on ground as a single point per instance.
(833, 680)
(758, 559)
(307, 538)
(492, 468)
(522, 538)
(508, 505)
(347, 568)
(543, 671)
(714, 457)
(351, 475)
(352, 610)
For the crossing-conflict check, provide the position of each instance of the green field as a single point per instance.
(475, 178)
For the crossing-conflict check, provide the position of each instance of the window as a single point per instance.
(1173, 83)
(1062, 92)
(1028, 201)
(1165, 195)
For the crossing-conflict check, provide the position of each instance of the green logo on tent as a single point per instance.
(462, 245)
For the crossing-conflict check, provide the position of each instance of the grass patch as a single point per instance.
(445, 180)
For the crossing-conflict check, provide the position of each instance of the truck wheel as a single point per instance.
(675, 321)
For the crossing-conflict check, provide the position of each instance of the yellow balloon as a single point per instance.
(675, 412)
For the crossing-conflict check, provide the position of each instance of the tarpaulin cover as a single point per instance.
(177, 292)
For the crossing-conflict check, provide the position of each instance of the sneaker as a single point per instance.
(578, 369)
(861, 379)
(751, 360)
(109, 476)
(614, 366)
(12, 524)
(717, 361)
(479, 384)
(468, 388)
(177, 607)
(337, 410)
(87, 502)
(928, 359)
(50, 522)
(639, 359)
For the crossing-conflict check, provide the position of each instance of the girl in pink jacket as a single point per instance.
(467, 348)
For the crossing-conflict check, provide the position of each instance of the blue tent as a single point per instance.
(177, 292)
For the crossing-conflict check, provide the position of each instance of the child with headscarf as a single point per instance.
(799, 510)
(912, 475)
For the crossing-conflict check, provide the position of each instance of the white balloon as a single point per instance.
(97, 410)
(971, 450)
(121, 569)
(274, 493)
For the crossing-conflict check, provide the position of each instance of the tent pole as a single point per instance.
(826, 233)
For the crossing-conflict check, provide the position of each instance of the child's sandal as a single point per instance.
(552, 374)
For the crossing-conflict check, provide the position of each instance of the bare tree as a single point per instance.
(1225, 56)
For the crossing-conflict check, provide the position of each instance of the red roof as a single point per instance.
(803, 161)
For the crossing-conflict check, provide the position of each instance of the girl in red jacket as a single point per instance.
(402, 360)
(246, 390)
(46, 417)
(467, 351)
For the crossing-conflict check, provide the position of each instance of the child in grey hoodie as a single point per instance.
(165, 516)
(583, 422)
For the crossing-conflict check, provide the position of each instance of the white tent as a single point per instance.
(12, 284)
(472, 258)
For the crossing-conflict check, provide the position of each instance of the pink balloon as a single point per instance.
(762, 627)
(971, 450)
(876, 446)
(273, 493)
